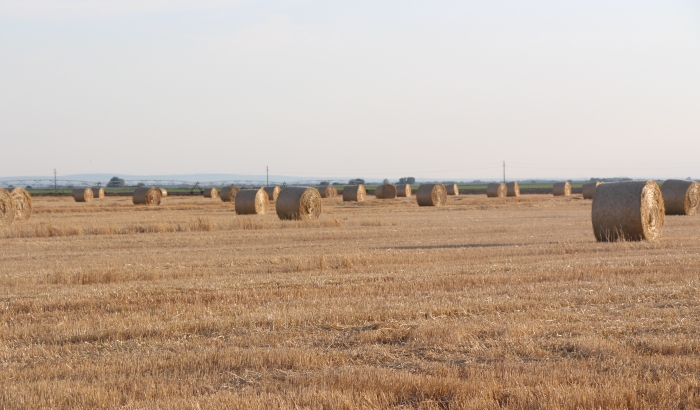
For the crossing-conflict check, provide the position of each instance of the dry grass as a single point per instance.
(483, 303)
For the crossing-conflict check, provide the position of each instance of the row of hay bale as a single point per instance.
(291, 203)
(500, 189)
(89, 194)
(15, 205)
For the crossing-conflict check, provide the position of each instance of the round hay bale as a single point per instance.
(588, 189)
(299, 203)
(386, 191)
(452, 189)
(211, 193)
(327, 191)
(272, 192)
(147, 196)
(82, 194)
(680, 197)
(23, 204)
(229, 193)
(512, 189)
(354, 193)
(561, 189)
(7, 207)
(163, 193)
(252, 202)
(431, 195)
(98, 192)
(403, 190)
(630, 210)
(496, 190)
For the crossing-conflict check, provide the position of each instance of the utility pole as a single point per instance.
(55, 184)
(504, 172)
(267, 173)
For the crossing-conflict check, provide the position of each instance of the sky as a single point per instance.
(372, 89)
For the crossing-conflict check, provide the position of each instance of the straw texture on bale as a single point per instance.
(163, 192)
(561, 189)
(452, 189)
(229, 193)
(403, 190)
(7, 207)
(299, 203)
(354, 193)
(385, 191)
(82, 194)
(327, 191)
(147, 196)
(681, 197)
(23, 204)
(272, 192)
(431, 195)
(211, 193)
(630, 210)
(512, 189)
(588, 189)
(252, 202)
(98, 192)
(496, 190)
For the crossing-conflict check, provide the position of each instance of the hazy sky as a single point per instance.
(444, 89)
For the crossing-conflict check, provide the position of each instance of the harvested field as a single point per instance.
(482, 303)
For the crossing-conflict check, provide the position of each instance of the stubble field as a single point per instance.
(485, 303)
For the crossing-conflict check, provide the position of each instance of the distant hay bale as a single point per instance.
(163, 192)
(229, 193)
(512, 189)
(272, 192)
(23, 204)
(452, 189)
(7, 207)
(561, 189)
(431, 195)
(147, 196)
(299, 203)
(403, 190)
(252, 202)
(211, 193)
(630, 210)
(385, 191)
(496, 190)
(98, 192)
(82, 194)
(354, 193)
(588, 189)
(681, 197)
(327, 191)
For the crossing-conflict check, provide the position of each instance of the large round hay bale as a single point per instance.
(272, 192)
(147, 196)
(512, 189)
(354, 193)
(252, 202)
(229, 193)
(631, 210)
(496, 190)
(7, 207)
(385, 191)
(561, 189)
(403, 190)
(163, 193)
(98, 192)
(82, 194)
(327, 191)
(23, 204)
(299, 203)
(431, 195)
(588, 189)
(452, 189)
(211, 193)
(681, 197)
